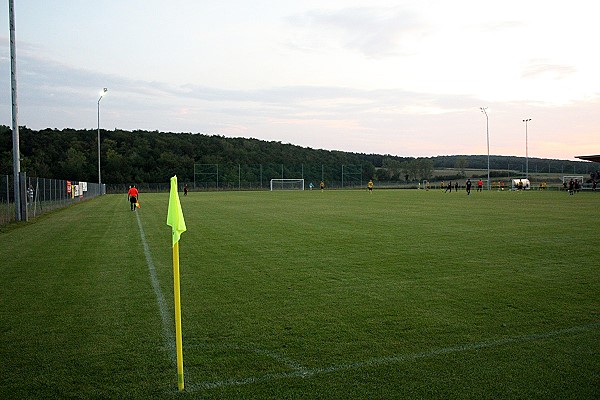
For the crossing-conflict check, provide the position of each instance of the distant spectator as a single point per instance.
(30, 194)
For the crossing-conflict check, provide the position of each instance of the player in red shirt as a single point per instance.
(133, 195)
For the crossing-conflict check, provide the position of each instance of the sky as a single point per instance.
(406, 78)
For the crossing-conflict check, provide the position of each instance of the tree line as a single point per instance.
(153, 156)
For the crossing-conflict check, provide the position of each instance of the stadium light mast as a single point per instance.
(15, 114)
(102, 93)
(487, 131)
(526, 150)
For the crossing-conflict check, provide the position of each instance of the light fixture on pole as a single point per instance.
(102, 93)
(526, 150)
(487, 131)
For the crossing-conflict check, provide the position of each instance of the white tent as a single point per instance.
(521, 183)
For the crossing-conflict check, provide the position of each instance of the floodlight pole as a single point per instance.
(15, 112)
(102, 93)
(487, 130)
(526, 150)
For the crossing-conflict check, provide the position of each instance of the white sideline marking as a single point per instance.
(283, 359)
(165, 316)
(288, 362)
(396, 359)
(299, 371)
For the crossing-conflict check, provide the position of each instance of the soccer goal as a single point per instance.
(287, 184)
(567, 178)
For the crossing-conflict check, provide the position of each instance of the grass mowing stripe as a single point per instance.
(383, 361)
(314, 295)
(167, 322)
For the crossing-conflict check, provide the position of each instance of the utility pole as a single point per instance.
(487, 130)
(526, 150)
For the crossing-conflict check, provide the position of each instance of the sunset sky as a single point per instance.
(405, 78)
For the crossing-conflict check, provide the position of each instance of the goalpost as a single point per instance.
(576, 178)
(567, 178)
(287, 184)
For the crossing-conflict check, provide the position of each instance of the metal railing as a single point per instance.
(43, 195)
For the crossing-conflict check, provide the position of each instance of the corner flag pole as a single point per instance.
(178, 338)
(177, 223)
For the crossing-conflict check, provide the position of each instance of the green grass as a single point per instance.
(323, 295)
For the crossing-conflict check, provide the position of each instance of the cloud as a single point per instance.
(544, 69)
(50, 92)
(394, 121)
(502, 26)
(374, 32)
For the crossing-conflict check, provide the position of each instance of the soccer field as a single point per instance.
(316, 295)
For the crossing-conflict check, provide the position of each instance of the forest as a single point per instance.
(152, 156)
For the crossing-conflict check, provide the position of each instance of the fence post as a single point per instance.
(7, 200)
(23, 195)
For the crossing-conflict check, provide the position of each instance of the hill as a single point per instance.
(152, 156)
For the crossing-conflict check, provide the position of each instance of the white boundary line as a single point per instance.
(283, 359)
(167, 321)
(299, 371)
(302, 372)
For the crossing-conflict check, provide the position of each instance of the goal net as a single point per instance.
(287, 184)
(567, 178)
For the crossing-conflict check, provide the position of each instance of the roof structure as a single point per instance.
(595, 158)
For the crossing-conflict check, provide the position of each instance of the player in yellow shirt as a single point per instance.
(370, 186)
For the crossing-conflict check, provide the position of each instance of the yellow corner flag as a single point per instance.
(175, 215)
(176, 222)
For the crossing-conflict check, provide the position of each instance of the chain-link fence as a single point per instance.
(258, 176)
(43, 195)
